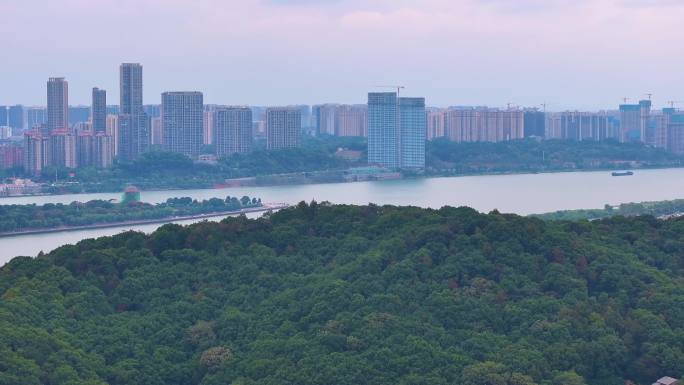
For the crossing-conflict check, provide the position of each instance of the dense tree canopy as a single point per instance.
(321, 294)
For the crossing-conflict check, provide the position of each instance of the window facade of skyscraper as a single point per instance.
(634, 121)
(233, 130)
(131, 88)
(435, 123)
(84, 149)
(397, 130)
(534, 123)
(208, 126)
(482, 124)
(675, 140)
(103, 150)
(57, 104)
(35, 117)
(283, 127)
(36, 152)
(324, 116)
(79, 114)
(62, 149)
(413, 132)
(383, 129)
(351, 120)
(156, 131)
(3, 116)
(133, 134)
(581, 126)
(182, 122)
(15, 117)
(99, 110)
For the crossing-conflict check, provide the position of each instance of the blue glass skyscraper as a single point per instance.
(397, 129)
(383, 129)
(412, 132)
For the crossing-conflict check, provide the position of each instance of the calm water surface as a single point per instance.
(521, 194)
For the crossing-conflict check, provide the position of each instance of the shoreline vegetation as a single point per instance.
(343, 159)
(264, 208)
(16, 220)
(659, 209)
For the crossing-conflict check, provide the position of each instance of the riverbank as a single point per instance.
(430, 175)
(263, 208)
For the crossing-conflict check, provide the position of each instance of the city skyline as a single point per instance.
(472, 52)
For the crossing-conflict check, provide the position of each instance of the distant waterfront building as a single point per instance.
(324, 119)
(660, 125)
(482, 124)
(133, 134)
(182, 122)
(84, 149)
(156, 131)
(634, 122)
(15, 117)
(57, 104)
(351, 120)
(3, 116)
(412, 132)
(36, 117)
(283, 127)
(534, 123)
(581, 126)
(11, 155)
(233, 130)
(383, 129)
(36, 156)
(99, 110)
(208, 126)
(675, 140)
(435, 123)
(152, 110)
(62, 149)
(131, 88)
(103, 150)
(79, 114)
(113, 131)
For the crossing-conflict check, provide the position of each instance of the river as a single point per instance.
(521, 193)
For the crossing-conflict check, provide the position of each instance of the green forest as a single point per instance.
(328, 294)
(15, 218)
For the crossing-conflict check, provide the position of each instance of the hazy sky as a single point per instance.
(584, 54)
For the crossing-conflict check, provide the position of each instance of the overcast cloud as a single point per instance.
(584, 54)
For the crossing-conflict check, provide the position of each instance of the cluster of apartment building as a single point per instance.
(66, 136)
(630, 123)
(181, 124)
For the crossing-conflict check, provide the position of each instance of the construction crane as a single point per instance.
(398, 88)
(649, 96)
(673, 102)
(626, 99)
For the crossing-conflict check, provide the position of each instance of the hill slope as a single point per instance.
(322, 294)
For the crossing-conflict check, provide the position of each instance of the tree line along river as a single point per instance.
(520, 193)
